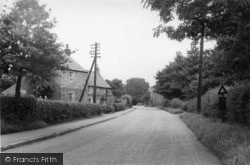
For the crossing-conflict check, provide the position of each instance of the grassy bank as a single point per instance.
(231, 143)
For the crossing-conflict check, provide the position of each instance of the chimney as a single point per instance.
(67, 50)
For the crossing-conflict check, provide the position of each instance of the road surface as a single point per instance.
(144, 136)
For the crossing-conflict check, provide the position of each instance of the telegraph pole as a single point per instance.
(95, 51)
(95, 48)
(200, 69)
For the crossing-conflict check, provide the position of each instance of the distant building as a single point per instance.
(69, 85)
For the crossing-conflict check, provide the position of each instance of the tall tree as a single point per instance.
(136, 87)
(27, 44)
(117, 87)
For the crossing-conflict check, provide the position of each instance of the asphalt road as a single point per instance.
(144, 136)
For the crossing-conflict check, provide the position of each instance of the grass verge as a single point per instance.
(231, 143)
(171, 110)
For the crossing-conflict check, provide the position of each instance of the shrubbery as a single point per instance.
(238, 103)
(119, 107)
(15, 111)
(29, 113)
(128, 99)
(58, 111)
(108, 109)
(177, 103)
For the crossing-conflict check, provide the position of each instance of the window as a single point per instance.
(71, 96)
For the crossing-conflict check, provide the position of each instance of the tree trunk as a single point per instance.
(18, 86)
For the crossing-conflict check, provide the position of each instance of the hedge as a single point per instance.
(15, 111)
(28, 109)
(108, 109)
(119, 107)
(58, 111)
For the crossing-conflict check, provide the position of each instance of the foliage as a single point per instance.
(108, 109)
(26, 41)
(39, 87)
(58, 111)
(117, 87)
(179, 78)
(15, 111)
(128, 99)
(28, 113)
(145, 98)
(119, 107)
(157, 100)
(177, 103)
(225, 21)
(238, 103)
(136, 87)
(229, 142)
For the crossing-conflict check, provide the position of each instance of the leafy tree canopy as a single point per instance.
(117, 87)
(136, 87)
(27, 45)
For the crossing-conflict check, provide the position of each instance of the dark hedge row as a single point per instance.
(29, 113)
(58, 111)
(28, 109)
(15, 111)
(119, 107)
(108, 109)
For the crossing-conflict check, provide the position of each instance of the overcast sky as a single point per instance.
(125, 31)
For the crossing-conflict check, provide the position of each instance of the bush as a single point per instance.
(210, 103)
(108, 109)
(119, 107)
(128, 99)
(238, 104)
(177, 103)
(16, 111)
(231, 143)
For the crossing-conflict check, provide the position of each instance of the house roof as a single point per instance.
(73, 65)
(11, 90)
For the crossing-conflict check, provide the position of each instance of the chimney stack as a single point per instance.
(67, 50)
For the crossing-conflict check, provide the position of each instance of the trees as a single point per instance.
(224, 20)
(179, 78)
(136, 87)
(117, 87)
(27, 45)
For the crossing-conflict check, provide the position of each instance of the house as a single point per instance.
(70, 83)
